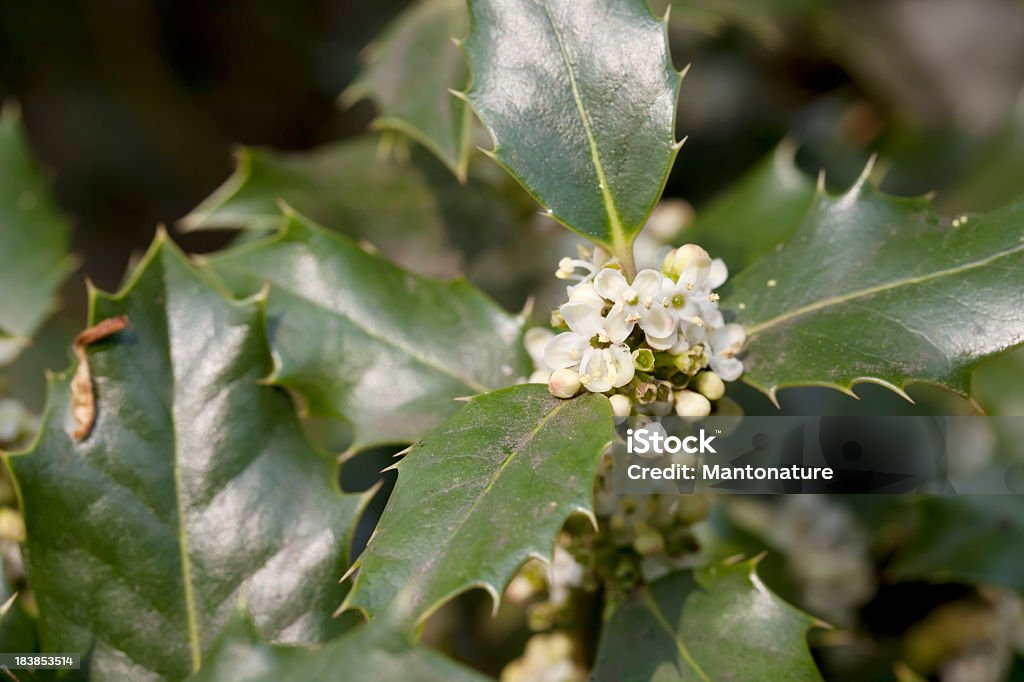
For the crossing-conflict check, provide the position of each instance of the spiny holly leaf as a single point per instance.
(580, 99)
(409, 72)
(482, 493)
(33, 241)
(758, 214)
(195, 487)
(373, 651)
(970, 538)
(874, 288)
(715, 623)
(366, 341)
(413, 212)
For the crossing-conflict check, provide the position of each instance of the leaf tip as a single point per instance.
(865, 175)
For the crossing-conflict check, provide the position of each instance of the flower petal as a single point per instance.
(657, 321)
(729, 369)
(666, 342)
(585, 293)
(610, 283)
(648, 284)
(620, 365)
(593, 371)
(727, 340)
(582, 318)
(565, 350)
(616, 325)
(717, 275)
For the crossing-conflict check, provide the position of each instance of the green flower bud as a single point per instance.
(643, 359)
(710, 384)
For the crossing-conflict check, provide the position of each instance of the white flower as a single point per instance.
(725, 343)
(603, 369)
(641, 302)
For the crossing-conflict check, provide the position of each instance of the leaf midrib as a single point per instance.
(192, 617)
(614, 219)
(754, 329)
(662, 621)
(518, 449)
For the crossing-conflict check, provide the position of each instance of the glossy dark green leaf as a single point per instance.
(580, 98)
(481, 494)
(969, 538)
(195, 488)
(758, 214)
(370, 652)
(415, 212)
(715, 623)
(33, 241)
(410, 70)
(366, 341)
(879, 289)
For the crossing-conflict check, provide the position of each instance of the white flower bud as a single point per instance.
(691, 405)
(564, 383)
(621, 405)
(686, 257)
(710, 384)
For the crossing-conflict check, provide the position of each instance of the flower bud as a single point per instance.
(621, 405)
(691, 360)
(710, 384)
(643, 359)
(691, 405)
(686, 257)
(564, 383)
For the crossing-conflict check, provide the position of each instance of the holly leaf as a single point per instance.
(408, 74)
(370, 652)
(482, 493)
(758, 214)
(884, 290)
(714, 623)
(413, 212)
(33, 241)
(967, 538)
(195, 487)
(579, 97)
(368, 342)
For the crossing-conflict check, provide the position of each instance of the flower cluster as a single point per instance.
(653, 343)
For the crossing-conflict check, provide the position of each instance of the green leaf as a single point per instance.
(33, 241)
(409, 72)
(195, 487)
(715, 623)
(366, 341)
(370, 652)
(413, 212)
(879, 289)
(481, 494)
(969, 538)
(580, 98)
(758, 214)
